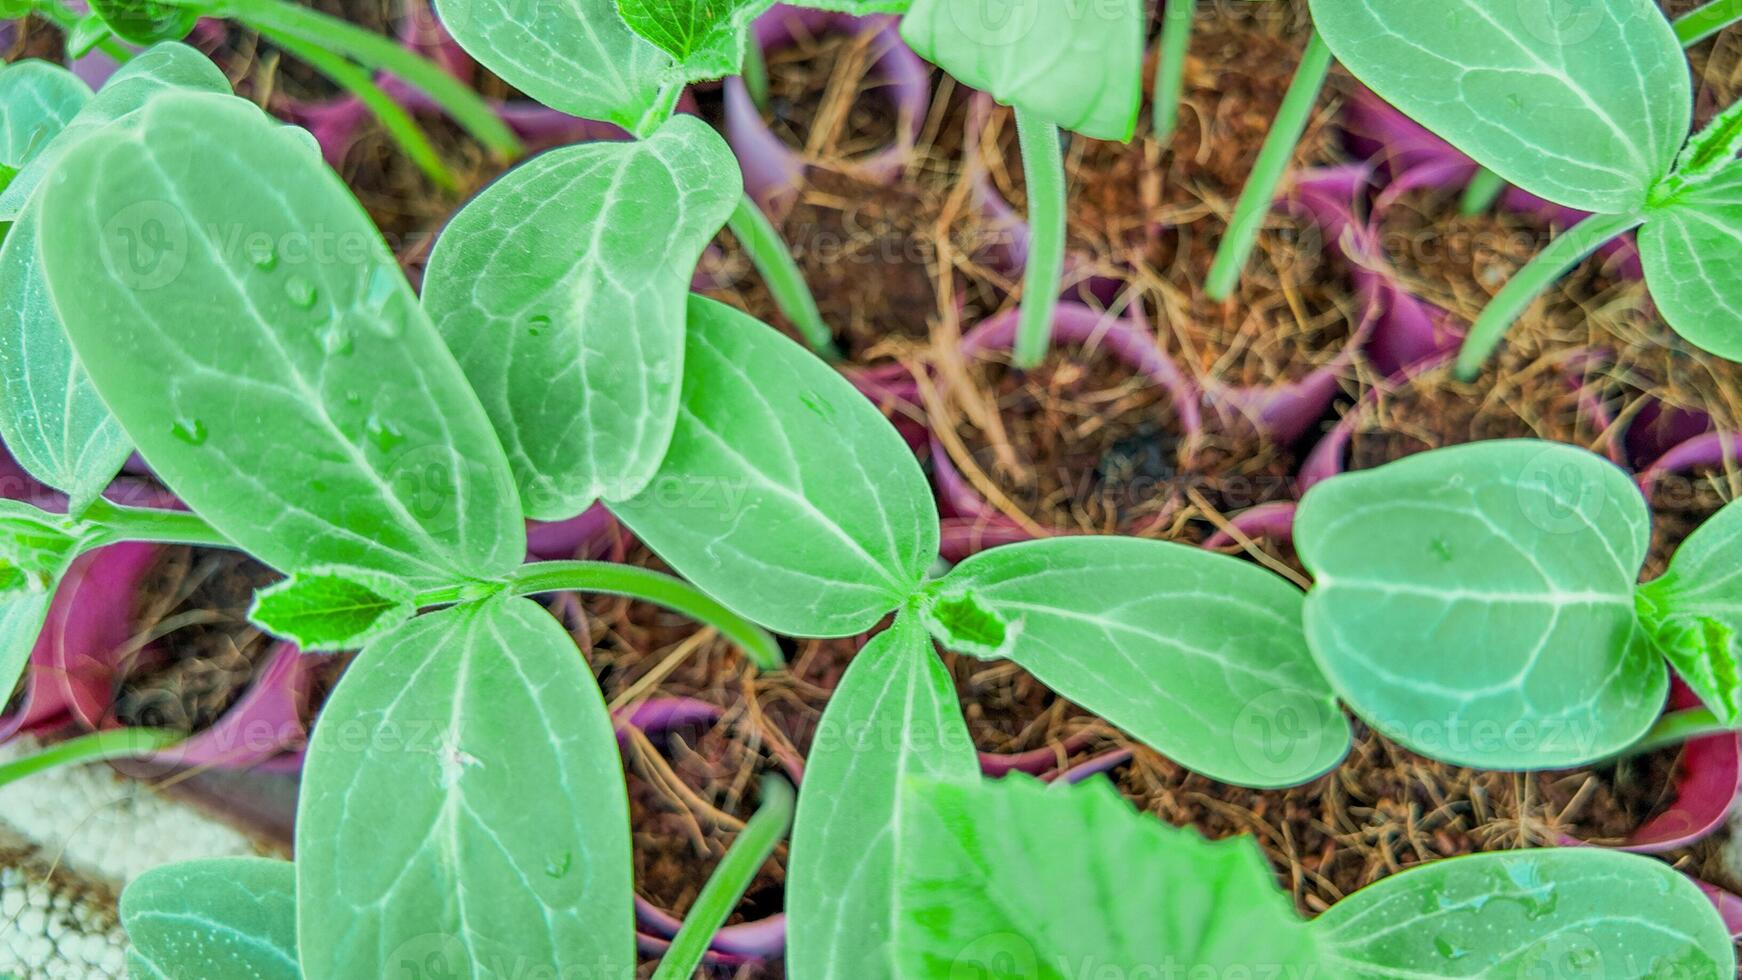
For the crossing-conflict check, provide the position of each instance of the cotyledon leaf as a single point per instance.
(221, 917)
(1691, 249)
(247, 325)
(162, 67)
(893, 715)
(785, 494)
(1694, 611)
(1015, 878)
(1559, 912)
(1078, 65)
(1199, 655)
(37, 100)
(463, 808)
(54, 423)
(1476, 603)
(1585, 104)
(332, 608)
(574, 55)
(561, 290)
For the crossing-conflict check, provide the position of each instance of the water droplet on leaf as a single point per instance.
(191, 431)
(383, 433)
(558, 867)
(300, 291)
(1448, 949)
(262, 254)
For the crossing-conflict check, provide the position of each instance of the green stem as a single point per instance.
(1676, 727)
(1696, 25)
(726, 886)
(664, 105)
(755, 74)
(378, 53)
(65, 19)
(119, 743)
(1043, 172)
(1170, 66)
(1559, 256)
(643, 584)
(114, 523)
(1484, 186)
(1273, 159)
(781, 274)
(389, 113)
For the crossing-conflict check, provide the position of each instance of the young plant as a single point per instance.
(1059, 65)
(1479, 604)
(1014, 878)
(629, 68)
(345, 53)
(1690, 29)
(1589, 109)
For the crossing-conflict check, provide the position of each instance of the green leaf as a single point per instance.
(220, 917)
(1476, 603)
(1691, 249)
(1014, 878)
(561, 290)
(1076, 64)
(333, 608)
(35, 548)
(1197, 654)
(705, 36)
(1693, 612)
(147, 21)
(277, 371)
(37, 101)
(463, 807)
(574, 55)
(1713, 148)
(21, 619)
(1584, 104)
(893, 714)
(1566, 912)
(158, 69)
(54, 423)
(785, 495)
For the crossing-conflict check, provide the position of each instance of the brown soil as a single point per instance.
(192, 607)
(1083, 443)
(1680, 503)
(405, 204)
(1294, 311)
(1520, 395)
(1385, 809)
(1458, 262)
(826, 98)
(1242, 58)
(36, 38)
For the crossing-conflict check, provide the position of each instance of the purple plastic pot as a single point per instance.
(1410, 328)
(1711, 449)
(970, 521)
(1329, 456)
(1274, 520)
(773, 171)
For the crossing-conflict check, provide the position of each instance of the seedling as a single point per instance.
(333, 435)
(1690, 29)
(343, 52)
(1541, 102)
(1059, 65)
(1479, 604)
(1081, 878)
(629, 68)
